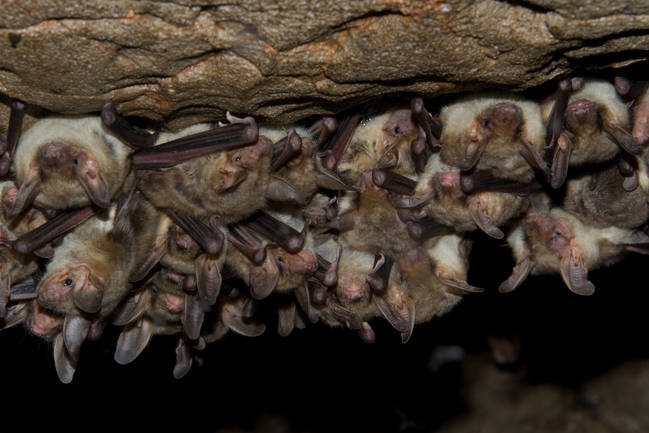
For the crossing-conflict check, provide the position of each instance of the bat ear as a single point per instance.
(75, 331)
(89, 174)
(133, 340)
(280, 190)
(87, 297)
(63, 362)
(26, 193)
(264, 278)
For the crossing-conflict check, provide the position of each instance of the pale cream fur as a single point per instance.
(60, 191)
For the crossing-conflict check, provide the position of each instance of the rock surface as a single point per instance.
(183, 61)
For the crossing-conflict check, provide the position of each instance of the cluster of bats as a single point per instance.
(105, 223)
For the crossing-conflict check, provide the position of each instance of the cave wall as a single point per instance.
(183, 61)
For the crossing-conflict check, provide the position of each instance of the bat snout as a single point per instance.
(581, 112)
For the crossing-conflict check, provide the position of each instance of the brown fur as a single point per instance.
(195, 188)
(601, 200)
(59, 187)
(501, 153)
(109, 248)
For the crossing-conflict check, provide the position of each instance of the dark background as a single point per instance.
(322, 379)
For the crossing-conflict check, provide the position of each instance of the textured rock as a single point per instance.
(185, 61)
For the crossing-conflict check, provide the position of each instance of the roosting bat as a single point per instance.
(91, 270)
(502, 134)
(382, 141)
(69, 162)
(439, 196)
(601, 199)
(596, 128)
(551, 240)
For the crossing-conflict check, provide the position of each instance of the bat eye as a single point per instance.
(280, 259)
(237, 158)
(397, 130)
(68, 282)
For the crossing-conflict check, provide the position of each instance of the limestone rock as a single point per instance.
(182, 61)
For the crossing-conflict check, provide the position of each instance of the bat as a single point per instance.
(442, 203)
(551, 240)
(595, 129)
(69, 162)
(499, 133)
(602, 199)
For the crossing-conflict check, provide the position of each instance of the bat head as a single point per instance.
(69, 162)
(170, 302)
(415, 264)
(352, 288)
(233, 167)
(582, 113)
(301, 263)
(553, 232)
(502, 119)
(72, 286)
(43, 323)
(399, 125)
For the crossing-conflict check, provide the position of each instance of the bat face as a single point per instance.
(66, 162)
(70, 287)
(549, 232)
(43, 323)
(489, 132)
(301, 263)
(391, 133)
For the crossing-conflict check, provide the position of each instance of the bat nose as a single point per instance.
(581, 112)
(507, 115)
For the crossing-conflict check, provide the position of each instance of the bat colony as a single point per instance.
(106, 223)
